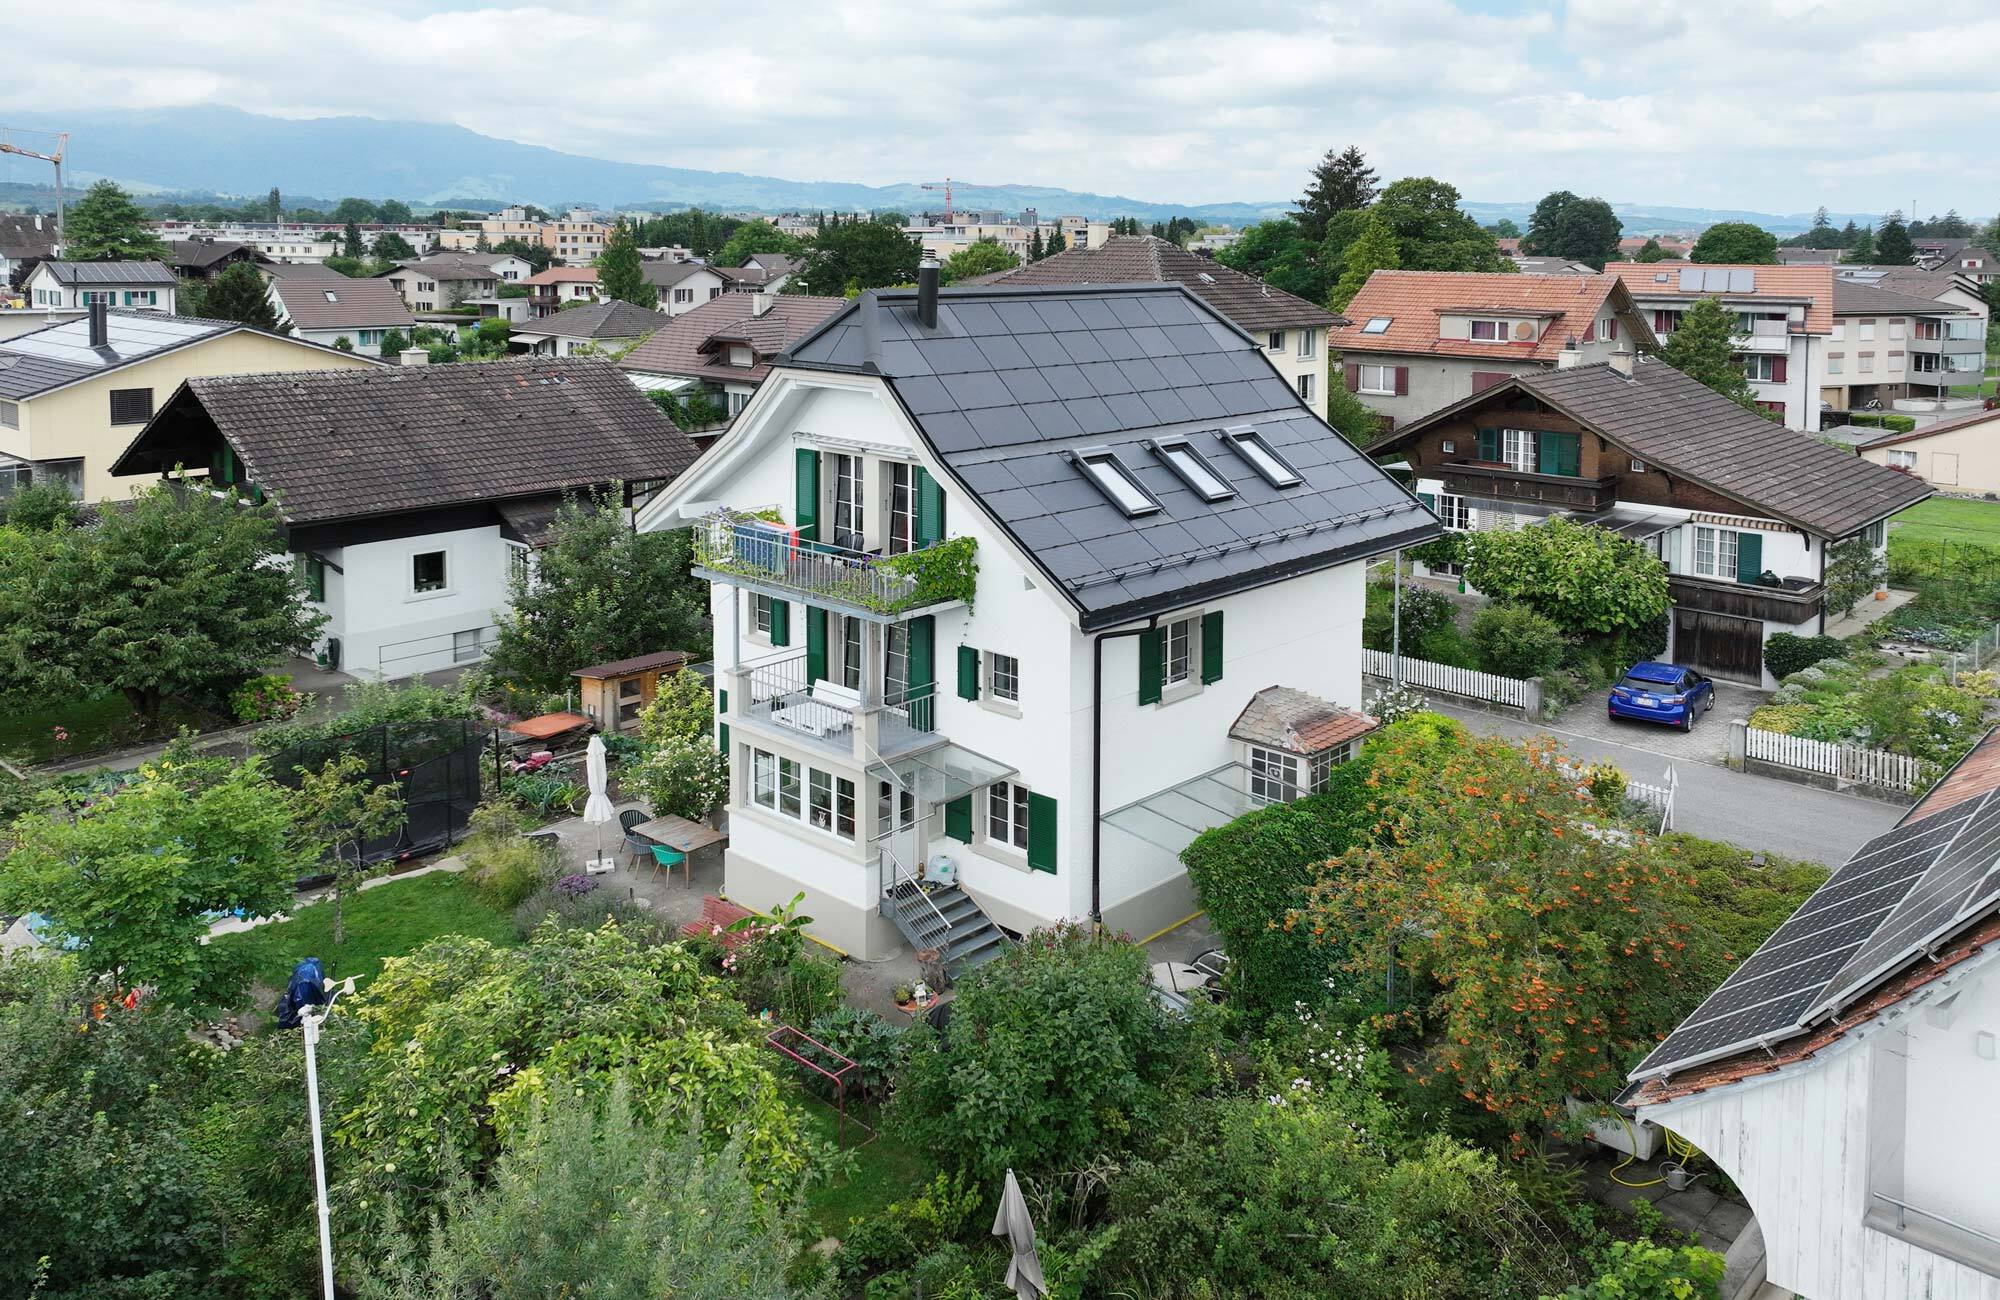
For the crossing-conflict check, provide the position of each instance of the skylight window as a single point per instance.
(1250, 445)
(1117, 483)
(331, 296)
(1193, 469)
(1377, 325)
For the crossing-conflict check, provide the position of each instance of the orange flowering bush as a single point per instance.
(1547, 952)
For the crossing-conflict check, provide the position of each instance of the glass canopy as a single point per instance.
(1171, 818)
(942, 774)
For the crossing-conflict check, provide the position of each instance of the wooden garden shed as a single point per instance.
(612, 694)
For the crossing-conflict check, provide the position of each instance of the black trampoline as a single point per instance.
(436, 764)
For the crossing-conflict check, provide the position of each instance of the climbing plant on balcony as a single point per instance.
(945, 572)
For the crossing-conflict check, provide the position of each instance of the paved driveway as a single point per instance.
(1707, 743)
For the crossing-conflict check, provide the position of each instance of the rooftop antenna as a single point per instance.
(55, 158)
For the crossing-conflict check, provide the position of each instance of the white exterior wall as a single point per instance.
(330, 337)
(1292, 365)
(386, 627)
(701, 285)
(44, 291)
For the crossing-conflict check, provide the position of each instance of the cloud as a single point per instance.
(1755, 103)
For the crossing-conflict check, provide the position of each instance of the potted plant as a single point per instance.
(905, 996)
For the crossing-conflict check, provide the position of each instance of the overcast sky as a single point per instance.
(1772, 105)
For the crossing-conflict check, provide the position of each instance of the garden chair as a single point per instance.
(667, 859)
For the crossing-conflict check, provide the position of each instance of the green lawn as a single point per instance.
(1949, 519)
(1988, 384)
(94, 722)
(886, 1170)
(387, 921)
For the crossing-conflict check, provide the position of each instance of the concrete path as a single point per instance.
(1759, 813)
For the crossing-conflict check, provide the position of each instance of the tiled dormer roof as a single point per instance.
(1411, 303)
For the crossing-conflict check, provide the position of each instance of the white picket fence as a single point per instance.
(1658, 796)
(1468, 682)
(1876, 767)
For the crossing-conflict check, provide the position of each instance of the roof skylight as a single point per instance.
(1262, 457)
(1193, 469)
(1377, 325)
(1117, 483)
(331, 296)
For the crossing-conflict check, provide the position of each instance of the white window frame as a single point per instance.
(1187, 627)
(1378, 325)
(1720, 559)
(762, 615)
(1306, 387)
(1866, 331)
(1900, 458)
(1322, 764)
(1502, 330)
(1274, 341)
(1000, 682)
(1759, 367)
(520, 565)
(1454, 513)
(900, 512)
(1517, 449)
(1836, 365)
(1005, 811)
(1896, 328)
(1273, 776)
(1382, 383)
(1308, 343)
(443, 588)
(849, 472)
(476, 647)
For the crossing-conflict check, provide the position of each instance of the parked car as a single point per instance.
(1656, 692)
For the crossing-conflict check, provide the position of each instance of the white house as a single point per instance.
(603, 327)
(324, 306)
(1844, 1074)
(684, 286)
(410, 495)
(141, 286)
(1162, 530)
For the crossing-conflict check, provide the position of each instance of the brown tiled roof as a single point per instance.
(1912, 280)
(666, 274)
(1411, 301)
(1856, 297)
(1812, 285)
(636, 664)
(602, 320)
(449, 266)
(354, 305)
(1148, 259)
(334, 445)
(1683, 427)
(686, 344)
(1286, 718)
(1976, 774)
(21, 237)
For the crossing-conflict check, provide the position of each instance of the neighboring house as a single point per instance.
(576, 238)
(1809, 256)
(1416, 341)
(1953, 288)
(303, 240)
(1674, 246)
(1784, 316)
(508, 267)
(25, 238)
(325, 307)
(1162, 530)
(1292, 330)
(1553, 266)
(1843, 1076)
(1739, 509)
(204, 259)
(551, 290)
(1887, 346)
(1960, 455)
(603, 326)
(684, 286)
(410, 495)
(443, 281)
(142, 286)
(724, 348)
(72, 395)
(763, 273)
(1961, 256)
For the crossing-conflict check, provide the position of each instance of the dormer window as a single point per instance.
(1377, 325)
(1262, 457)
(741, 356)
(1119, 485)
(1193, 469)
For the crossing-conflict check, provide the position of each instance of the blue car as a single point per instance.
(1654, 692)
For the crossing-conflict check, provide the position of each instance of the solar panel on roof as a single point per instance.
(1742, 280)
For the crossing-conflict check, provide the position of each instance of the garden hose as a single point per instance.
(1677, 1146)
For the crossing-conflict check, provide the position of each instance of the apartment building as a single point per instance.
(1135, 527)
(296, 241)
(576, 238)
(450, 280)
(1888, 347)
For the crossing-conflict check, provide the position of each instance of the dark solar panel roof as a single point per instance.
(61, 354)
(1906, 890)
(1013, 381)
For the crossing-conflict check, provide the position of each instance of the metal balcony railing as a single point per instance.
(779, 693)
(773, 554)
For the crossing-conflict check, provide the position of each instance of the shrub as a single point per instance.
(1585, 579)
(1424, 612)
(1515, 641)
(1439, 551)
(1645, 1270)
(367, 704)
(501, 866)
(864, 1037)
(684, 778)
(1786, 652)
(1392, 704)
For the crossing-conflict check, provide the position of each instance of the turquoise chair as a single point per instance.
(667, 859)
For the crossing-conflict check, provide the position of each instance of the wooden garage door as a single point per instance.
(1720, 644)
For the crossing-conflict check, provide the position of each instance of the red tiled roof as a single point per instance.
(564, 275)
(1812, 285)
(1411, 301)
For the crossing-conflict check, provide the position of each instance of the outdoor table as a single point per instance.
(680, 833)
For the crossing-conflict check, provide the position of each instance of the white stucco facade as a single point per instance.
(389, 624)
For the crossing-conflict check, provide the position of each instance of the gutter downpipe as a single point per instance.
(1097, 765)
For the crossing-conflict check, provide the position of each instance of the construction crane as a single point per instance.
(55, 158)
(946, 185)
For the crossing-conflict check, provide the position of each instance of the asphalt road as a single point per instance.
(1755, 812)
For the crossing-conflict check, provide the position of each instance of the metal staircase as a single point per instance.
(947, 919)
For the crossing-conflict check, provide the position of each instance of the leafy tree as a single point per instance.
(394, 212)
(392, 247)
(174, 596)
(1703, 348)
(1346, 412)
(1853, 570)
(1176, 230)
(756, 237)
(1342, 182)
(40, 507)
(702, 232)
(350, 243)
(105, 225)
(859, 255)
(239, 293)
(1547, 958)
(1735, 242)
(1279, 253)
(1374, 251)
(981, 257)
(1861, 249)
(339, 810)
(1126, 226)
(599, 591)
(343, 344)
(1505, 228)
(893, 218)
(537, 255)
(274, 207)
(621, 273)
(352, 211)
(136, 879)
(585, 1203)
(1579, 229)
(1650, 251)
(1584, 578)
(1892, 242)
(394, 343)
(1432, 234)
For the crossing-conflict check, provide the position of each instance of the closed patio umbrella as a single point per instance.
(598, 810)
(1024, 1271)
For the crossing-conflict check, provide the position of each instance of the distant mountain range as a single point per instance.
(230, 154)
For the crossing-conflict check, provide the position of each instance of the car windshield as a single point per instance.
(1650, 686)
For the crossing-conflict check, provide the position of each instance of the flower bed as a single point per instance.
(1915, 709)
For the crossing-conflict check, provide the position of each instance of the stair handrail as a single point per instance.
(896, 877)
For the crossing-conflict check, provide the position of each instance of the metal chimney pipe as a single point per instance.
(100, 328)
(927, 293)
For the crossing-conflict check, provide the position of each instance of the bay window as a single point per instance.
(1274, 776)
(828, 802)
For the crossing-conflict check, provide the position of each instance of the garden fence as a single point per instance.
(1470, 683)
(1876, 767)
(1658, 796)
(1969, 658)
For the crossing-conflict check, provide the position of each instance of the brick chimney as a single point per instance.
(413, 357)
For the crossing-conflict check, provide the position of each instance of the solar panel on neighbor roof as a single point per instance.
(1788, 980)
(130, 336)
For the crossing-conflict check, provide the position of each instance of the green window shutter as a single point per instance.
(1489, 444)
(806, 507)
(1749, 556)
(781, 621)
(923, 660)
(316, 577)
(1152, 665)
(722, 700)
(1041, 832)
(1430, 501)
(722, 744)
(930, 510)
(1211, 647)
(815, 644)
(1558, 453)
(968, 673)
(958, 819)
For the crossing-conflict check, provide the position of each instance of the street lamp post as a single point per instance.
(311, 1023)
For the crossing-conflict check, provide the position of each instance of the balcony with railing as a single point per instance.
(828, 717)
(768, 556)
(1763, 336)
(1495, 481)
